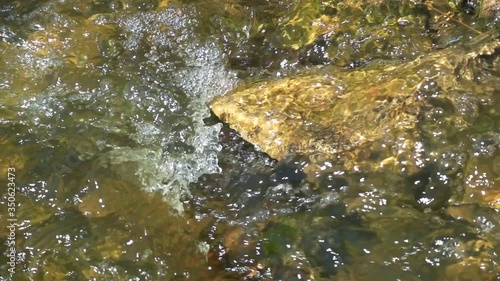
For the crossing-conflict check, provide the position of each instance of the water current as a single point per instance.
(121, 172)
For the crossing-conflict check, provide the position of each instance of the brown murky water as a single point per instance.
(122, 174)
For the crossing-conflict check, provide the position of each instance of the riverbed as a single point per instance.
(121, 172)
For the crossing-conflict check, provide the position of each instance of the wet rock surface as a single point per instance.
(366, 118)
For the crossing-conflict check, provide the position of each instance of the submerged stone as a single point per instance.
(368, 115)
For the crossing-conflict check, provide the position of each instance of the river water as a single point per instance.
(122, 173)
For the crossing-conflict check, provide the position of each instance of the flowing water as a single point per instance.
(121, 172)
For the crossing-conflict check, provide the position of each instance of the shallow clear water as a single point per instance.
(123, 174)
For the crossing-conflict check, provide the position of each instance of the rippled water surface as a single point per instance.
(122, 173)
